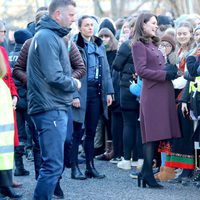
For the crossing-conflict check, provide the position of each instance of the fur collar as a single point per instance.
(80, 41)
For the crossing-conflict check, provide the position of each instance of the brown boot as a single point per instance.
(108, 155)
(166, 174)
(158, 174)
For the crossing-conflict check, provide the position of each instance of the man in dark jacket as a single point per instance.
(50, 91)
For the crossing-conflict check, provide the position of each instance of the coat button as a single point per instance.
(160, 63)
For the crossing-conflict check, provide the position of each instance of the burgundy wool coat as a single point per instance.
(158, 116)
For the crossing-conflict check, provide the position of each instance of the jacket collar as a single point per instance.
(80, 41)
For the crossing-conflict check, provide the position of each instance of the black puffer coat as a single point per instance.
(123, 63)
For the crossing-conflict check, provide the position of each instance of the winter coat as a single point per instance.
(115, 79)
(123, 63)
(106, 81)
(158, 116)
(13, 90)
(21, 87)
(49, 80)
(19, 71)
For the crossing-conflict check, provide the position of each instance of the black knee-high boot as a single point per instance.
(146, 175)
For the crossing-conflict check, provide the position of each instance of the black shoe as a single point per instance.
(150, 181)
(21, 172)
(9, 192)
(58, 193)
(92, 173)
(196, 178)
(76, 173)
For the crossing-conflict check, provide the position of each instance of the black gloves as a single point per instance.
(172, 72)
(171, 75)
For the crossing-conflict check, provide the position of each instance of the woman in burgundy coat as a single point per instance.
(158, 117)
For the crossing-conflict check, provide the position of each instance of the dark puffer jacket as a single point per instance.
(49, 80)
(123, 63)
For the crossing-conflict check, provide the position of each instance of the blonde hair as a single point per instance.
(3, 69)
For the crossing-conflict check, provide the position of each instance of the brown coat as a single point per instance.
(158, 116)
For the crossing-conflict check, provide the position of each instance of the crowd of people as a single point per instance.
(126, 92)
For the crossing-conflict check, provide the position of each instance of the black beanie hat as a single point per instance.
(164, 20)
(22, 35)
(106, 23)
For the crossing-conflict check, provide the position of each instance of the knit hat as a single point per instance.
(164, 20)
(170, 39)
(106, 23)
(22, 35)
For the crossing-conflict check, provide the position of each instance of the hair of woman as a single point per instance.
(113, 43)
(190, 27)
(139, 34)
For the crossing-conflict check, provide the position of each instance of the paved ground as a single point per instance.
(116, 186)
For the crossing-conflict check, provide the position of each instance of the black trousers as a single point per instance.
(93, 109)
(117, 133)
(5, 178)
(130, 132)
(76, 140)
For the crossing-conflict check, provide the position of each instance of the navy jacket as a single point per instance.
(105, 79)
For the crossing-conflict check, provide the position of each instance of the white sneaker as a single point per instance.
(140, 164)
(124, 164)
(134, 163)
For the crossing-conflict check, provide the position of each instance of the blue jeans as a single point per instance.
(52, 130)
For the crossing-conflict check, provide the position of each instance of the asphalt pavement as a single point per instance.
(116, 186)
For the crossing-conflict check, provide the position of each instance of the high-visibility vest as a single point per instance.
(195, 85)
(6, 128)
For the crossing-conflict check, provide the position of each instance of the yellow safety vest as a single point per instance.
(195, 85)
(6, 128)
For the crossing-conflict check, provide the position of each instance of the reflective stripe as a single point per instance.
(6, 149)
(195, 85)
(6, 161)
(6, 128)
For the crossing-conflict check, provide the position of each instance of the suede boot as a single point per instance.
(165, 174)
